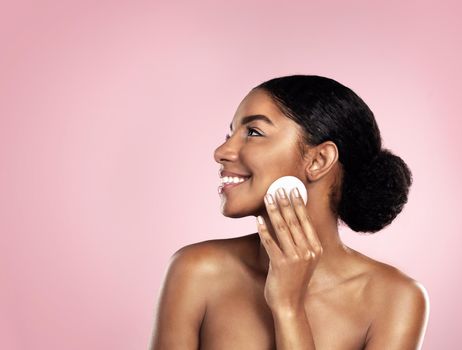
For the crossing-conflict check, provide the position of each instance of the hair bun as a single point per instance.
(376, 193)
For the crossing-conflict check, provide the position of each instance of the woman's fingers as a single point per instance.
(281, 229)
(289, 213)
(307, 226)
(268, 242)
(292, 225)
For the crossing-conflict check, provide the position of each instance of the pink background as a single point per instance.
(109, 115)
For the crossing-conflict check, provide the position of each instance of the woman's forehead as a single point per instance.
(257, 99)
(258, 102)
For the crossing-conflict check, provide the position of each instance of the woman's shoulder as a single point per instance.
(217, 255)
(397, 305)
(387, 285)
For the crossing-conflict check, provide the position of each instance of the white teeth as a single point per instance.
(232, 179)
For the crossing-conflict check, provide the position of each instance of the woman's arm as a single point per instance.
(401, 320)
(182, 302)
(292, 330)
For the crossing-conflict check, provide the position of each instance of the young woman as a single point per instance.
(294, 284)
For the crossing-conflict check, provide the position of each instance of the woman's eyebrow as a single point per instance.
(250, 118)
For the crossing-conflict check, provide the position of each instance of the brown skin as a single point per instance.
(264, 290)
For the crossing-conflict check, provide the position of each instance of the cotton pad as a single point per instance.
(288, 182)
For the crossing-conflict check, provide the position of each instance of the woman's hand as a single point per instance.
(293, 261)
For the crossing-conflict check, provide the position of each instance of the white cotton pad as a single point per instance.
(288, 182)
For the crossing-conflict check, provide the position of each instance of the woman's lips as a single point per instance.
(225, 188)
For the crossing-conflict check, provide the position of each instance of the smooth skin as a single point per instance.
(293, 284)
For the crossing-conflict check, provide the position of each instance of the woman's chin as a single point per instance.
(233, 213)
(238, 211)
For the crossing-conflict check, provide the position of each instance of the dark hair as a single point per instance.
(375, 182)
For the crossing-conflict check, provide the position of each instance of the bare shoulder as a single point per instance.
(193, 278)
(399, 308)
(388, 283)
(384, 280)
(213, 256)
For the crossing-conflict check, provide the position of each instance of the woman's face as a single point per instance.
(262, 150)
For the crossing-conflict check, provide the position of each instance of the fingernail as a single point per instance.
(281, 192)
(296, 192)
(269, 199)
(260, 220)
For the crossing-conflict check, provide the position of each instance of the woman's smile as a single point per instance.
(228, 183)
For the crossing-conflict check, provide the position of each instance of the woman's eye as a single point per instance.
(253, 130)
(249, 130)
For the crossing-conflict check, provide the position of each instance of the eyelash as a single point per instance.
(248, 129)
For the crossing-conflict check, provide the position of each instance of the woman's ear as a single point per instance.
(320, 160)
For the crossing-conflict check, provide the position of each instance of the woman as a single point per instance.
(294, 284)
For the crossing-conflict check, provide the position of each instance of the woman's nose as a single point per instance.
(226, 152)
